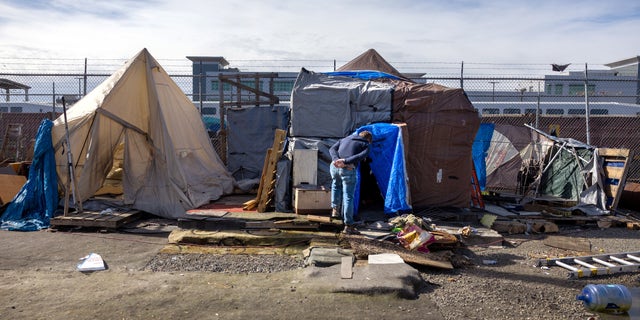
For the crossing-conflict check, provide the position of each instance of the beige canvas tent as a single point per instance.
(169, 164)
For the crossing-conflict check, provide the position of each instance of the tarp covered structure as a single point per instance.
(325, 106)
(386, 161)
(250, 133)
(169, 163)
(505, 156)
(34, 205)
(441, 124)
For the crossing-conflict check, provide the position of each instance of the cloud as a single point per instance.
(403, 30)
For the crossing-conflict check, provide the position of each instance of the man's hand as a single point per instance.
(339, 163)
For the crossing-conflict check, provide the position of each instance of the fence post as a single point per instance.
(53, 111)
(84, 90)
(462, 75)
(586, 101)
(538, 107)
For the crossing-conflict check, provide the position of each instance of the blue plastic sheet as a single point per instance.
(363, 74)
(387, 164)
(480, 146)
(32, 208)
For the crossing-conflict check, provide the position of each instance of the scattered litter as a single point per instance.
(544, 268)
(107, 211)
(92, 262)
(380, 225)
(489, 262)
(385, 258)
(468, 230)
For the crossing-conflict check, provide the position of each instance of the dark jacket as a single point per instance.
(352, 149)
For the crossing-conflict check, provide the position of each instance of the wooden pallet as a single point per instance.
(267, 181)
(96, 220)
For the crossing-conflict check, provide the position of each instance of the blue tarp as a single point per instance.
(480, 146)
(363, 74)
(33, 207)
(387, 164)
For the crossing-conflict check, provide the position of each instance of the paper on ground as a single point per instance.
(92, 262)
(385, 258)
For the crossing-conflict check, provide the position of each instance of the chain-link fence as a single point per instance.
(598, 107)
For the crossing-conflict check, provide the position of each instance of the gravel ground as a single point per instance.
(224, 263)
(512, 288)
(515, 288)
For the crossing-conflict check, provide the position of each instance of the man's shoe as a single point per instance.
(335, 214)
(351, 230)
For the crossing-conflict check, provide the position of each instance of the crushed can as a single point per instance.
(612, 298)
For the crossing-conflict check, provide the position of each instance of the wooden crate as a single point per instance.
(312, 200)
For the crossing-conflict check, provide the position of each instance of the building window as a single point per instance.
(599, 111)
(578, 89)
(531, 111)
(279, 86)
(209, 111)
(215, 85)
(4, 109)
(575, 111)
(490, 111)
(558, 89)
(511, 111)
(555, 111)
(16, 109)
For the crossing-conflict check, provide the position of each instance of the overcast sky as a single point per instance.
(508, 31)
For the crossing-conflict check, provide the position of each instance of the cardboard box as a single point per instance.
(312, 200)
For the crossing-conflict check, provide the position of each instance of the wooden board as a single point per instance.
(615, 168)
(96, 220)
(364, 246)
(346, 267)
(10, 185)
(305, 167)
(568, 243)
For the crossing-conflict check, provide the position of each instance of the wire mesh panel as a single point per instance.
(595, 105)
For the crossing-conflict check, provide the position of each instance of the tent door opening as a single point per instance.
(370, 195)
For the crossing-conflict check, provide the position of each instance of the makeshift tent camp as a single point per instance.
(169, 163)
(441, 123)
(506, 156)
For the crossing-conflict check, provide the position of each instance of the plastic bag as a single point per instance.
(413, 237)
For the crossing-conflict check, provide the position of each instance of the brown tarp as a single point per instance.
(372, 60)
(442, 124)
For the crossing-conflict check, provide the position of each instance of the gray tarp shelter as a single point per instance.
(250, 133)
(441, 125)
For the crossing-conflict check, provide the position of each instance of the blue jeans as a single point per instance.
(343, 187)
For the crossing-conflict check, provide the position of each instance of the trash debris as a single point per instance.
(91, 262)
(413, 237)
(612, 298)
(489, 262)
(385, 258)
(468, 231)
(107, 211)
